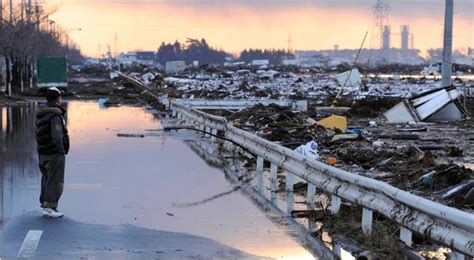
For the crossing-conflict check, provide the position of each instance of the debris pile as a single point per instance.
(279, 124)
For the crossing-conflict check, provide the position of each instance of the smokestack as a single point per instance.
(448, 43)
(405, 37)
(386, 38)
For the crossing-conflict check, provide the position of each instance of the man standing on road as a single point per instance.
(53, 144)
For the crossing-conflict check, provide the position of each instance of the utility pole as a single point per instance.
(22, 8)
(29, 11)
(1, 12)
(290, 45)
(448, 43)
(11, 11)
(115, 45)
(38, 16)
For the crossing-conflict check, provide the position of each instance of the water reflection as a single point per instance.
(17, 158)
(114, 181)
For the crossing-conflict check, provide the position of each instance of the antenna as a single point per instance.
(290, 44)
(115, 45)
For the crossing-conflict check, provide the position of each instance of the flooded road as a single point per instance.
(117, 182)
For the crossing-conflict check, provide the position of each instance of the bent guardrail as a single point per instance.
(449, 226)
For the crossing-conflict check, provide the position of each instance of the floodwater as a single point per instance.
(114, 181)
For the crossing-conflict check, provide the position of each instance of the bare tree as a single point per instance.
(25, 37)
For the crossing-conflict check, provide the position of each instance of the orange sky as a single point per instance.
(235, 25)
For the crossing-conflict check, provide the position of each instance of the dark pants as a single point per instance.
(52, 180)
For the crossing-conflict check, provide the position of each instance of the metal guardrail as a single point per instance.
(299, 105)
(449, 226)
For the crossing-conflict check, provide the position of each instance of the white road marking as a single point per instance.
(28, 248)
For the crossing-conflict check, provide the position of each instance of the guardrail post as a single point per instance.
(335, 204)
(261, 187)
(311, 196)
(457, 256)
(213, 136)
(290, 179)
(208, 130)
(406, 236)
(367, 221)
(201, 128)
(273, 182)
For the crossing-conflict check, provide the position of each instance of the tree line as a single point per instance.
(199, 50)
(26, 34)
(193, 50)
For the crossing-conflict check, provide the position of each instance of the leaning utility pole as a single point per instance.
(448, 43)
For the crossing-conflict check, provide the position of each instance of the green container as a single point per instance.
(52, 72)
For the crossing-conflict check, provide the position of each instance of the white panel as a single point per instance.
(449, 113)
(399, 114)
(349, 78)
(426, 98)
(432, 106)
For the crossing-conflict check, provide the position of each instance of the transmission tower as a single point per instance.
(381, 12)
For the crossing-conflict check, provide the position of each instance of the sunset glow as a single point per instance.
(243, 24)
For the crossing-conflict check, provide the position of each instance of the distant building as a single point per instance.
(92, 61)
(470, 52)
(260, 62)
(289, 62)
(127, 59)
(146, 58)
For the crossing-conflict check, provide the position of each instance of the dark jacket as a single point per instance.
(51, 132)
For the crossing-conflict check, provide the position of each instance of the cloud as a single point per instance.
(412, 8)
